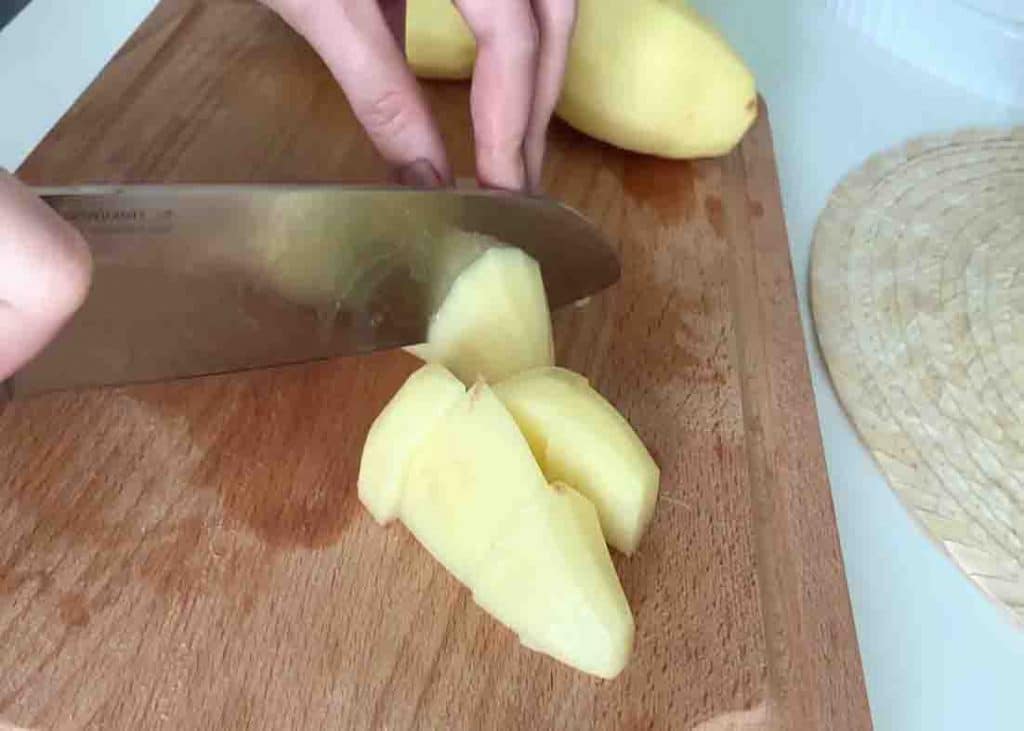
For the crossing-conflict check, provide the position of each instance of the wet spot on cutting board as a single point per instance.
(31, 582)
(8, 582)
(665, 187)
(719, 449)
(756, 209)
(176, 557)
(73, 610)
(281, 447)
(715, 212)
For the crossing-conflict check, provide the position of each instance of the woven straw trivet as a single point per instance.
(917, 288)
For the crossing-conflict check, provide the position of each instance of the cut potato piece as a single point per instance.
(494, 321)
(579, 438)
(532, 554)
(438, 44)
(550, 578)
(410, 416)
(451, 254)
(467, 479)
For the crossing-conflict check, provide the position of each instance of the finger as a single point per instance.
(502, 92)
(394, 15)
(45, 271)
(555, 20)
(354, 40)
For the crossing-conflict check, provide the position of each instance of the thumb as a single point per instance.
(45, 270)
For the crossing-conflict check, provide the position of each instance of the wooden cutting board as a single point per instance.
(193, 554)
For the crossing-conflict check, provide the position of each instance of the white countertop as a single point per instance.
(936, 654)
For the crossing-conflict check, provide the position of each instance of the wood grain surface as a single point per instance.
(193, 554)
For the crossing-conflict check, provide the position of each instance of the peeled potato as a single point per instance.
(438, 45)
(650, 76)
(577, 437)
(450, 254)
(494, 321)
(653, 76)
(549, 577)
(397, 431)
(532, 553)
(472, 473)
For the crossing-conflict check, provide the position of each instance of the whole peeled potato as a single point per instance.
(651, 76)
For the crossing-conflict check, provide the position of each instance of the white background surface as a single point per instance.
(936, 654)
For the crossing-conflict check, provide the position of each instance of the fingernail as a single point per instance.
(419, 174)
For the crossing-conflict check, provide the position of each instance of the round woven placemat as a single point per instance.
(917, 288)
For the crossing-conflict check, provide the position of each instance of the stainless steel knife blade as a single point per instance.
(193, 280)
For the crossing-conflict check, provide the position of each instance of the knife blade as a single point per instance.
(195, 280)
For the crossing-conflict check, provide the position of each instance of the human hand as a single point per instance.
(521, 54)
(45, 269)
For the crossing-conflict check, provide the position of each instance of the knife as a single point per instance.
(195, 280)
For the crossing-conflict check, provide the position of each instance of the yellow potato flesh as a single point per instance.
(532, 554)
(653, 76)
(650, 76)
(438, 44)
(549, 577)
(397, 431)
(577, 437)
(467, 480)
(448, 256)
(494, 321)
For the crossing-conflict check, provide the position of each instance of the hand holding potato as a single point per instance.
(651, 76)
(517, 77)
